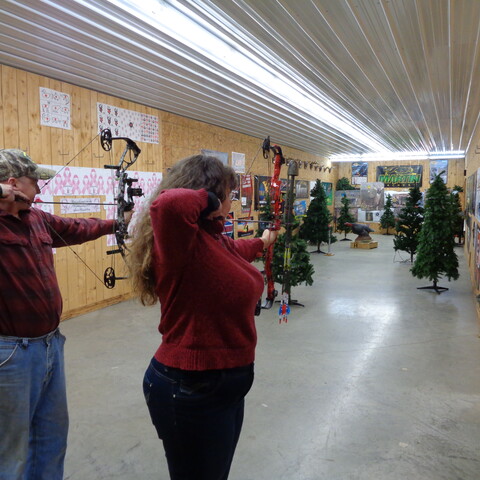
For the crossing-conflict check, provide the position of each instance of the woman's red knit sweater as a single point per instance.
(206, 285)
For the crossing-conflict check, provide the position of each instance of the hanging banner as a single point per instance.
(247, 193)
(400, 176)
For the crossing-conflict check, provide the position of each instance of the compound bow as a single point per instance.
(127, 159)
(123, 205)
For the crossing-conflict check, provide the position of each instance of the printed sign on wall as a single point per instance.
(54, 108)
(400, 176)
(128, 123)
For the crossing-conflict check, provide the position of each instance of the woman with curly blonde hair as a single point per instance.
(197, 380)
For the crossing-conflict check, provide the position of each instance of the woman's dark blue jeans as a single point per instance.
(198, 415)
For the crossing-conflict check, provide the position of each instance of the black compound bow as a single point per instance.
(124, 198)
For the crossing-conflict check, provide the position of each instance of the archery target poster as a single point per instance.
(54, 108)
(128, 123)
(88, 190)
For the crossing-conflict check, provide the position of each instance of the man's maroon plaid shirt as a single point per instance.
(30, 300)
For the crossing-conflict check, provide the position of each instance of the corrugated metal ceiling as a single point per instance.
(366, 75)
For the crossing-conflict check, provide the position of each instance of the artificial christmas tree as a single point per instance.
(344, 184)
(387, 220)
(301, 270)
(409, 224)
(345, 217)
(315, 228)
(436, 255)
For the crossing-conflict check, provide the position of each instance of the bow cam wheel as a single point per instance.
(109, 277)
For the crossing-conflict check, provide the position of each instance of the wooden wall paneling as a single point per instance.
(95, 155)
(58, 154)
(10, 107)
(22, 92)
(33, 124)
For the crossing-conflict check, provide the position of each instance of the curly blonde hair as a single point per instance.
(195, 172)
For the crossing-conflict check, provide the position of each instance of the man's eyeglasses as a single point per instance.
(233, 196)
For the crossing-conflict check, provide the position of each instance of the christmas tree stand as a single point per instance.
(435, 287)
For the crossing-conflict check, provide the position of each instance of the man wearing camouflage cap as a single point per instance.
(33, 406)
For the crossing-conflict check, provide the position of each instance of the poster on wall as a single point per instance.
(81, 189)
(359, 173)
(127, 123)
(246, 193)
(352, 195)
(222, 156)
(369, 216)
(235, 194)
(400, 176)
(262, 185)
(301, 189)
(328, 187)
(300, 208)
(399, 201)
(477, 257)
(245, 228)
(471, 186)
(54, 108)
(228, 229)
(372, 196)
(477, 195)
(238, 162)
(439, 167)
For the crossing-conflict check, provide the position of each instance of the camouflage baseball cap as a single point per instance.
(16, 163)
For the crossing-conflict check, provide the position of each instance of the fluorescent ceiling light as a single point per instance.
(397, 156)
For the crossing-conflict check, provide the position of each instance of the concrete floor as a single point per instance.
(372, 380)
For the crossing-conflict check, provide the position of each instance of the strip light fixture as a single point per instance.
(397, 156)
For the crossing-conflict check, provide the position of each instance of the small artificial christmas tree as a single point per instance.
(436, 255)
(409, 224)
(344, 184)
(387, 220)
(345, 217)
(315, 228)
(301, 269)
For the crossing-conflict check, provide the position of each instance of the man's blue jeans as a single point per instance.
(199, 416)
(33, 408)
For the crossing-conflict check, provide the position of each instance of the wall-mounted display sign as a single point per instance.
(400, 176)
